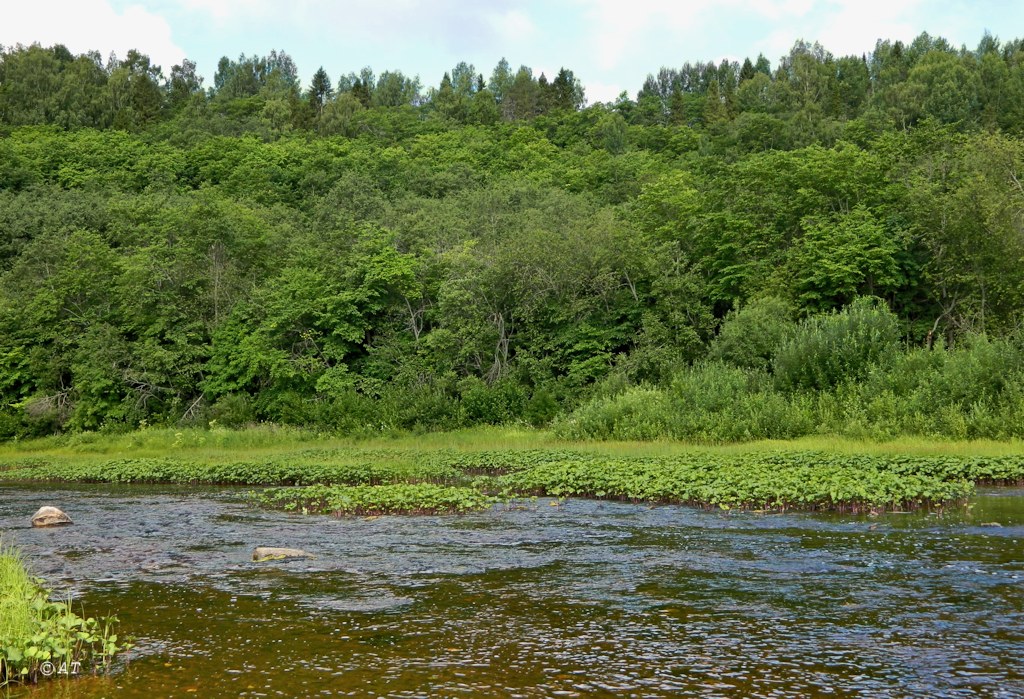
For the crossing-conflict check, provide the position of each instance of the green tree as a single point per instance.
(320, 91)
(941, 86)
(522, 97)
(134, 91)
(567, 91)
(395, 90)
(751, 336)
(501, 82)
(184, 85)
(30, 85)
(339, 117)
(845, 256)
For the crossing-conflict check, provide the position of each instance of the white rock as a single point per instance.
(270, 553)
(49, 517)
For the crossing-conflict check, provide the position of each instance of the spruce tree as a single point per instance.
(320, 91)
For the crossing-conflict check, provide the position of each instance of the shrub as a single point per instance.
(541, 408)
(417, 408)
(751, 336)
(639, 413)
(232, 410)
(714, 386)
(492, 404)
(826, 350)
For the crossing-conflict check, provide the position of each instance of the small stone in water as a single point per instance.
(49, 517)
(270, 553)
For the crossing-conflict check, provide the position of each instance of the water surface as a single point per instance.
(584, 598)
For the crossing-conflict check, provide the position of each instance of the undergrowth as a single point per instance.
(40, 638)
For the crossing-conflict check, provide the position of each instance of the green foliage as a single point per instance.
(232, 410)
(711, 402)
(762, 482)
(372, 253)
(751, 336)
(421, 499)
(494, 404)
(826, 350)
(303, 469)
(639, 413)
(973, 391)
(35, 631)
(845, 256)
(430, 476)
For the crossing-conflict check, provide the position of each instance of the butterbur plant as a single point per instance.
(397, 498)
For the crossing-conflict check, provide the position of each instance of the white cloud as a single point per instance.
(847, 27)
(224, 10)
(86, 25)
(855, 25)
(597, 91)
(616, 26)
(842, 26)
(778, 9)
(513, 25)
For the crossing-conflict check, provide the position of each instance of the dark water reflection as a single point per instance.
(582, 599)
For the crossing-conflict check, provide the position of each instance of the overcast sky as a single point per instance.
(611, 45)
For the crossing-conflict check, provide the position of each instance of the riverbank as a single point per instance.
(40, 638)
(441, 472)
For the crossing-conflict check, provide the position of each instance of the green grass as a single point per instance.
(40, 638)
(811, 473)
(17, 589)
(222, 444)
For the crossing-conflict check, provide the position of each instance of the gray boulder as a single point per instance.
(270, 553)
(49, 517)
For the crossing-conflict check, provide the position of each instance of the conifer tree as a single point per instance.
(320, 91)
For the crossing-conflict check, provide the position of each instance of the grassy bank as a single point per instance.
(459, 471)
(220, 444)
(40, 638)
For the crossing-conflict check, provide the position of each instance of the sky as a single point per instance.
(610, 45)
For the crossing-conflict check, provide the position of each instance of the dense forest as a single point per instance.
(830, 244)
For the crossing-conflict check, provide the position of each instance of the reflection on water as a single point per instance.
(582, 599)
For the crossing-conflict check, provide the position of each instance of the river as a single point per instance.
(582, 598)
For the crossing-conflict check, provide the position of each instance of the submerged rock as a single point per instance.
(269, 553)
(49, 517)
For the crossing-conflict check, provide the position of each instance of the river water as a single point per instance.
(582, 598)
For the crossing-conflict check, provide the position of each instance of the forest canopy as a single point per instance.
(739, 250)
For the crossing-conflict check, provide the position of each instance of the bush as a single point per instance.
(417, 408)
(972, 391)
(492, 404)
(232, 410)
(542, 407)
(714, 386)
(721, 403)
(750, 337)
(10, 424)
(638, 413)
(711, 402)
(826, 350)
